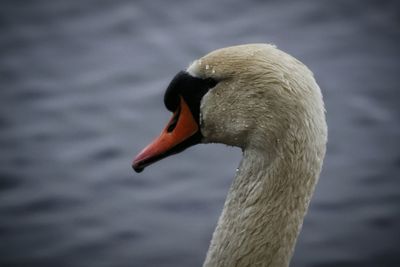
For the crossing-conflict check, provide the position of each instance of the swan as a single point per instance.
(267, 103)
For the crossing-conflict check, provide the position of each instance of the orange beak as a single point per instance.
(172, 139)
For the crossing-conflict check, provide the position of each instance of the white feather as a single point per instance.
(267, 103)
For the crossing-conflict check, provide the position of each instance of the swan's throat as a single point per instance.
(264, 210)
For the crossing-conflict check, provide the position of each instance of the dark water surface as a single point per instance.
(81, 87)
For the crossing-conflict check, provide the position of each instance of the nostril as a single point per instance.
(172, 125)
(174, 121)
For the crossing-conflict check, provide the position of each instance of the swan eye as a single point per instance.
(211, 82)
(191, 88)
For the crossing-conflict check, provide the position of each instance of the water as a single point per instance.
(81, 87)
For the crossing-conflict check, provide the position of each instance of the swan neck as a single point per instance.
(264, 210)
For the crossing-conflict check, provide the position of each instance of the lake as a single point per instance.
(81, 91)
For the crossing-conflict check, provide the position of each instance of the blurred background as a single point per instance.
(81, 92)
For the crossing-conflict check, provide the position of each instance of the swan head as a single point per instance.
(246, 96)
